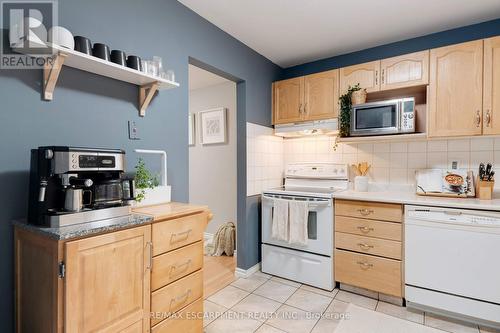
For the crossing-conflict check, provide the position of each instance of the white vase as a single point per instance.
(361, 183)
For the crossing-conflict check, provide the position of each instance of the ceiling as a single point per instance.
(291, 32)
(200, 78)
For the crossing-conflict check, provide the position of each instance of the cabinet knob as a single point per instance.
(383, 76)
(488, 118)
(210, 217)
(478, 119)
(376, 78)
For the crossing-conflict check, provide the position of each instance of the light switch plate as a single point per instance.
(133, 131)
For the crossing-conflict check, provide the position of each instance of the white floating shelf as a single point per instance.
(148, 84)
(381, 138)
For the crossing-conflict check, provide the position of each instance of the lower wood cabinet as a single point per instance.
(369, 245)
(113, 282)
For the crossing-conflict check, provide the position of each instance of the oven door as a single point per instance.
(320, 224)
(377, 118)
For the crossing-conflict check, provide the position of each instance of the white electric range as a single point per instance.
(312, 263)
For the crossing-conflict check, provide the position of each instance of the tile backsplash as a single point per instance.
(396, 162)
(392, 162)
(264, 159)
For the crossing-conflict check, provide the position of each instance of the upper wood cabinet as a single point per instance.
(107, 282)
(455, 90)
(491, 88)
(405, 71)
(367, 75)
(311, 97)
(288, 99)
(321, 95)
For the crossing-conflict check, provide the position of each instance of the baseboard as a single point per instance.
(244, 273)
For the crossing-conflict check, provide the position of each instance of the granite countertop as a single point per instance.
(406, 195)
(86, 229)
(139, 216)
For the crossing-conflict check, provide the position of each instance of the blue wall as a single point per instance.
(454, 36)
(89, 110)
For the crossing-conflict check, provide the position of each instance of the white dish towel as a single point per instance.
(299, 213)
(280, 220)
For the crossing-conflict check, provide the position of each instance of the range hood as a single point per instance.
(324, 127)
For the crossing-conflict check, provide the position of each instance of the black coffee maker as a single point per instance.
(71, 185)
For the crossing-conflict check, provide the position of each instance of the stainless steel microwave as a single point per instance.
(385, 117)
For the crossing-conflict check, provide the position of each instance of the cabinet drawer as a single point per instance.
(173, 234)
(174, 265)
(188, 320)
(369, 210)
(175, 296)
(368, 245)
(371, 228)
(365, 271)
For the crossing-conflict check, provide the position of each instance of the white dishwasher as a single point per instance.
(452, 262)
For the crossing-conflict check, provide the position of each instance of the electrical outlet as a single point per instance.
(133, 131)
(454, 165)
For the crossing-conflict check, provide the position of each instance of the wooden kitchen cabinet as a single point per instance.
(491, 86)
(321, 95)
(369, 245)
(405, 71)
(288, 100)
(455, 98)
(367, 75)
(107, 281)
(114, 281)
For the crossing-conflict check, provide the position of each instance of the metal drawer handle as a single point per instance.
(488, 118)
(365, 246)
(183, 236)
(365, 211)
(179, 300)
(365, 265)
(150, 264)
(176, 270)
(478, 118)
(365, 229)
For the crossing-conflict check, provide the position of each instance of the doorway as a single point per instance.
(213, 164)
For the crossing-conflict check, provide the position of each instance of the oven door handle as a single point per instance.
(312, 203)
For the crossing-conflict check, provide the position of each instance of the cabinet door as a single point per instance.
(367, 75)
(405, 71)
(288, 99)
(107, 282)
(455, 90)
(491, 91)
(321, 99)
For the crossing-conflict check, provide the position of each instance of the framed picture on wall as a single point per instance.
(213, 126)
(191, 131)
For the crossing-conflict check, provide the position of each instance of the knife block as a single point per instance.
(485, 189)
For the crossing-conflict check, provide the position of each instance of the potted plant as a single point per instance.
(345, 110)
(144, 180)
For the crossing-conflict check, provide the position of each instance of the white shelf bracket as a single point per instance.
(51, 71)
(146, 94)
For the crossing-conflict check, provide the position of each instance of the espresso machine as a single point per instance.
(72, 185)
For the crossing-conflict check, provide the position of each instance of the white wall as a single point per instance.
(264, 159)
(212, 168)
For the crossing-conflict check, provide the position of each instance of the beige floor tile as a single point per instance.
(232, 322)
(320, 291)
(256, 307)
(276, 291)
(292, 320)
(325, 326)
(449, 325)
(401, 312)
(488, 330)
(336, 311)
(212, 311)
(249, 284)
(309, 301)
(268, 329)
(228, 296)
(262, 274)
(285, 281)
(356, 299)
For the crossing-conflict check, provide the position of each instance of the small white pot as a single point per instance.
(361, 183)
(154, 196)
